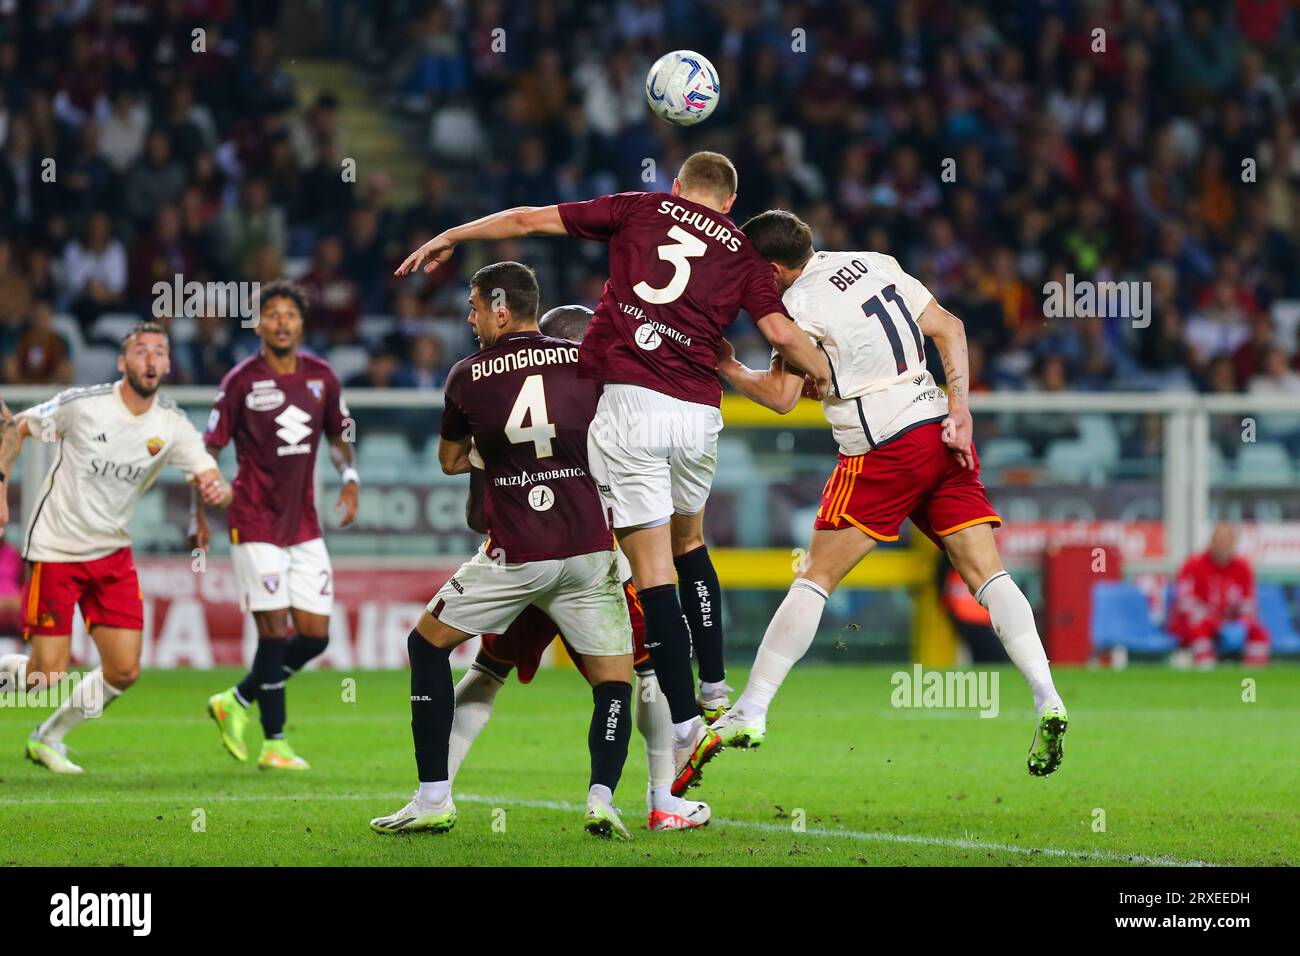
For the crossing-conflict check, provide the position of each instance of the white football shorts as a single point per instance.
(652, 455)
(583, 595)
(271, 577)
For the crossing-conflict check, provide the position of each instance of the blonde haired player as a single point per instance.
(113, 442)
(905, 452)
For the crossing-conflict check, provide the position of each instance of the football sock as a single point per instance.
(474, 696)
(610, 731)
(265, 684)
(655, 725)
(435, 792)
(433, 704)
(697, 586)
(13, 673)
(1013, 621)
(668, 639)
(788, 637)
(86, 702)
(301, 651)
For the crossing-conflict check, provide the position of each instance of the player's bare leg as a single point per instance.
(831, 556)
(701, 597)
(974, 555)
(607, 739)
(429, 647)
(668, 639)
(119, 655)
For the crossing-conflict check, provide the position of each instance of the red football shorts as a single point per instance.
(107, 590)
(914, 476)
(530, 634)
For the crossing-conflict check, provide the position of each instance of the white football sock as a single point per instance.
(1013, 620)
(598, 791)
(710, 691)
(684, 731)
(788, 637)
(655, 724)
(434, 793)
(13, 672)
(86, 702)
(474, 697)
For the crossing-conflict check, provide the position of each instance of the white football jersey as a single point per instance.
(862, 310)
(107, 458)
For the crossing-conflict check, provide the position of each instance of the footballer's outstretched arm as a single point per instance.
(793, 344)
(345, 460)
(778, 388)
(454, 456)
(507, 224)
(949, 336)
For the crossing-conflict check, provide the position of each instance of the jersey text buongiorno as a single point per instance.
(275, 422)
(863, 311)
(107, 457)
(678, 274)
(528, 412)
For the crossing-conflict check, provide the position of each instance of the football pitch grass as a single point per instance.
(1175, 765)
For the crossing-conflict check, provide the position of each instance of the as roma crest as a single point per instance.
(317, 388)
(154, 445)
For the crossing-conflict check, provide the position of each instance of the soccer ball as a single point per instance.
(682, 88)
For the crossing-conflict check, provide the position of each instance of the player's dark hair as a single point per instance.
(781, 237)
(707, 171)
(286, 288)
(142, 328)
(566, 322)
(516, 282)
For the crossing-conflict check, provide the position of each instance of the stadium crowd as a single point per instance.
(990, 147)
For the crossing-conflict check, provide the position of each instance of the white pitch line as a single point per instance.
(865, 836)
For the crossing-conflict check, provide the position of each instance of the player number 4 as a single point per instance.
(679, 253)
(531, 404)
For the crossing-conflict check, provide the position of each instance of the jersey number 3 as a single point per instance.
(531, 404)
(679, 253)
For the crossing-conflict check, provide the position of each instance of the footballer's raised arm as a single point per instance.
(949, 336)
(506, 224)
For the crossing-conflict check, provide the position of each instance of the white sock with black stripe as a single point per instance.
(1013, 621)
(788, 637)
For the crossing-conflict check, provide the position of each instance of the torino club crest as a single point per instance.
(271, 582)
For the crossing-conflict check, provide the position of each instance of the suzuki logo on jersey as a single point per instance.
(295, 425)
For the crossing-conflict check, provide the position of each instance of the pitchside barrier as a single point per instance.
(1135, 478)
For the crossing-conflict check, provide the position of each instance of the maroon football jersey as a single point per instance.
(528, 412)
(276, 422)
(678, 274)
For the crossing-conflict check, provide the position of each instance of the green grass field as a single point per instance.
(1182, 768)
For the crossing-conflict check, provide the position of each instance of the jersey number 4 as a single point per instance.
(531, 404)
(680, 254)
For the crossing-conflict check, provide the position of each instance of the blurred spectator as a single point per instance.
(426, 368)
(382, 371)
(205, 359)
(40, 356)
(94, 272)
(335, 310)
(253, 223)
(156, 180)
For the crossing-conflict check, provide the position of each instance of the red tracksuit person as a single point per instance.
(1213, 589)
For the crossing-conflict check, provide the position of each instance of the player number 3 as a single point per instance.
(679, 253)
